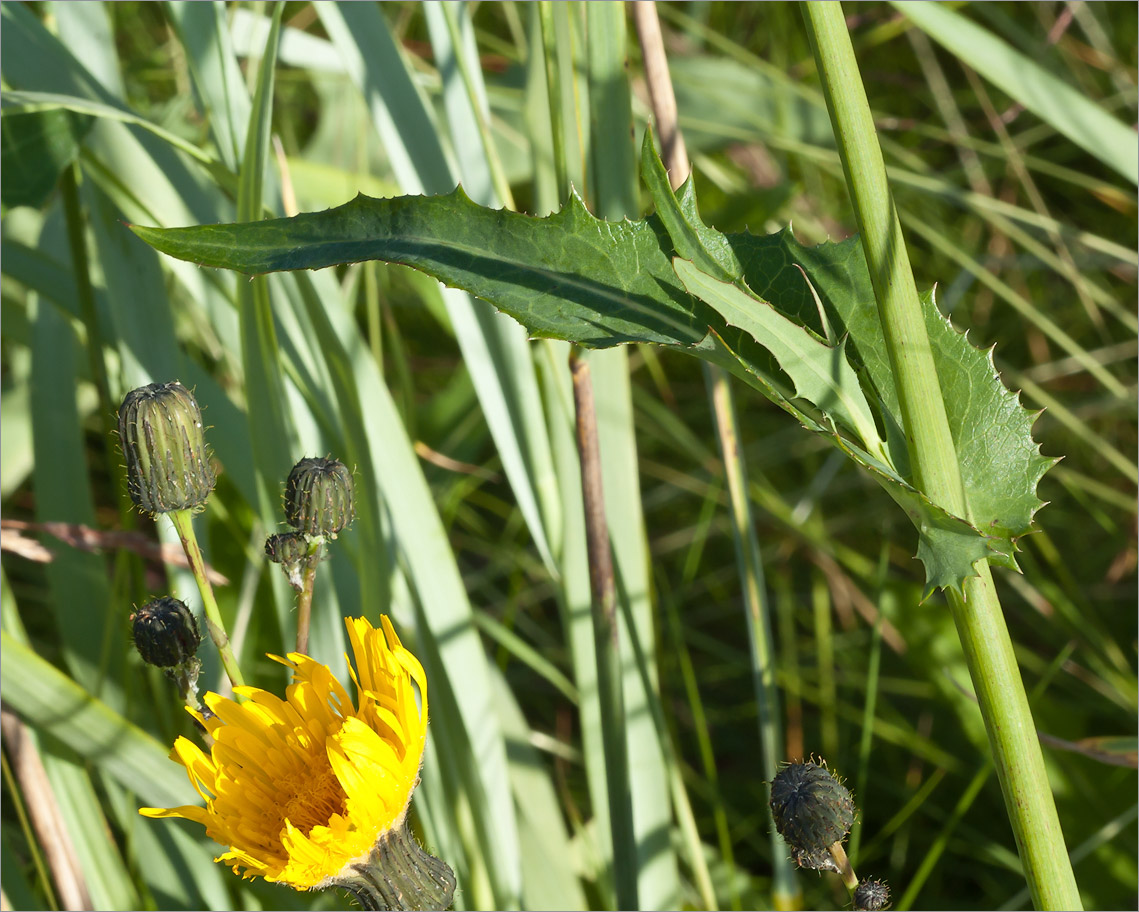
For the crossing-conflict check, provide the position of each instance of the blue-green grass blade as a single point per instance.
(99, 857)
(273, 432)
(57, 705)
(205, 38)
(607, 122)
(495, 352)
(550, 882)
(77, 580)
(419, 162)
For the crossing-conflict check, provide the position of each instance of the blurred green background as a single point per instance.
(459, 431)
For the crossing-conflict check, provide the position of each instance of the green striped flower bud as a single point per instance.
(318, 497)
(812, 811)
(165, 632)
(168, 466)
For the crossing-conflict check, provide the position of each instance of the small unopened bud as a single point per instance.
(168, 467)
(318, 497)
(871, 896)
(815, 860)
(165, 632)
(291, 551)
(812, 811)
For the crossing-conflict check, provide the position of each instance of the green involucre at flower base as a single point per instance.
(812, 811)
(168, 465)
(319, 497)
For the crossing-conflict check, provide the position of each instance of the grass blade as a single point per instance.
(1051, 99)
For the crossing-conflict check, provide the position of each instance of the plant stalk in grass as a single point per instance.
(183, 524)
(976, 609)
(603, 592)
(304, 599)
(785, 888)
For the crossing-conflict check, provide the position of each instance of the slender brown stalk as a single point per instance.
(603, 592)
(304, 599)
(44, 814)
(785, 889)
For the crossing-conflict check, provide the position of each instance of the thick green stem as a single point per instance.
(183, 523)
(976, 610)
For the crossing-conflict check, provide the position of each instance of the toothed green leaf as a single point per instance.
(820, 372)
(572, 276)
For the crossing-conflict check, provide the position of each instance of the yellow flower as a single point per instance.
(301, 789)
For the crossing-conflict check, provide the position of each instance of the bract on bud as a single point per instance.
(168, 467)
(165, 632)
(812, 811)
(291, 551)
(871, 896)
(318, 497)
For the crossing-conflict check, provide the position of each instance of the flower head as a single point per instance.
(871, 896)
(165, 632)
(318, 497)
(168, 465)
(812, 811)
(293, 552)
(301, 789)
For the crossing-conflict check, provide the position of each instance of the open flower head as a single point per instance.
(301, 789)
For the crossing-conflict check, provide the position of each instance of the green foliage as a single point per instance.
(574, 277)
(459, 430)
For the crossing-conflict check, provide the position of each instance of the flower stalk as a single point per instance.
(813, 813)
(976, 609)
(184, 526)
(169, 471)
(304, 599)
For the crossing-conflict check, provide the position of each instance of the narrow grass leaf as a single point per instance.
(494, 351)
(1051, 99)
(614, 190)
(78, 580)
(57, 705)
(550, 882)
(202, 30)
(106, 875)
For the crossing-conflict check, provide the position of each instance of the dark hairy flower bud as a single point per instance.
(318, 497)
(871, 896)
(286, 547)
(165, 632)
(291, 551)
(168, 467)
(812, 811)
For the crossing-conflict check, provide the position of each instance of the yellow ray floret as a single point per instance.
(299, 788)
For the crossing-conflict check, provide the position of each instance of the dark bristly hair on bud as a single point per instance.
(168, 466)
(871, 896)
(165, 632)
(812, 811)
(318, 497)
(291, 551)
